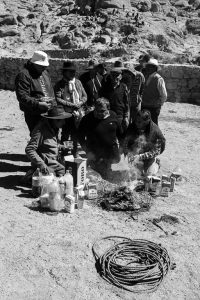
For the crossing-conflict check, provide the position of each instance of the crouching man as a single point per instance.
(144, 141)
(42, 149)
(98, 135)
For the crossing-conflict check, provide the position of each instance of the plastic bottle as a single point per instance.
(69, 184)
(55, 201)
(44, 197)
(62, 185)
(36, 183)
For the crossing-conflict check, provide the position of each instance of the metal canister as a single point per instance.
(165, 178)
(92, 191)
(147, 183)
(172, 182)
(155, 181)
(165, 189)
(80, 199)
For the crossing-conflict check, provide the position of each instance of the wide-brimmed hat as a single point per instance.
(57, 113)
(40, 58)
(144, 57)
(91, 65)
(102, 65)
(119, 64)
(152, 62)
(68, 65)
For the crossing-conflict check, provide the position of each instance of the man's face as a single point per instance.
(69, 74)
(39, 69)
(141, 123)
(58, 123)
(150, 69)
(101, 70)
(101, 111)
(115, 77)
(93, 73)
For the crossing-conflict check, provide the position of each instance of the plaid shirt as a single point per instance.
(135, 82)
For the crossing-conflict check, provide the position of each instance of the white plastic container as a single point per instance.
(55, 201)
(36, 183)
(69, 183)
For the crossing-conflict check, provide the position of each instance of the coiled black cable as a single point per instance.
(134, 265)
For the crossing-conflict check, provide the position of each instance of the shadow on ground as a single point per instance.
(14, 182)
(14, 157)
(9, 167)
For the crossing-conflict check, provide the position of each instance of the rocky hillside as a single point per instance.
(169, 30)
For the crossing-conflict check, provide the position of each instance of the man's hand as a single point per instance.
(47, 99)
(44, 170)
(136, 158)
(125, 123)
(77, 106)
(44, 106)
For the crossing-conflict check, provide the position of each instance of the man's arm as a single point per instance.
(156, 150)
(162, 90)
(22, 87)
(82, 132)
(83, 98)
(142, 84)
(59, 91)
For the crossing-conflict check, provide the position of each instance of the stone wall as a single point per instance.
(182, 81)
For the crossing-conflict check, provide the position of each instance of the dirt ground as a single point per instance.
(50, 257)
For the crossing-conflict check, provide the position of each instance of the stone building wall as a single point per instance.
(182, 81)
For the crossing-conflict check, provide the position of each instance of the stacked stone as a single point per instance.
(182, 81)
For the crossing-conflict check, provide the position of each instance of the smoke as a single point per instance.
(130, 164)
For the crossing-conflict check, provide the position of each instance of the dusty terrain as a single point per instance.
(49, 257)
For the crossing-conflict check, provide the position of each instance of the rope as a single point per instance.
(133, 265)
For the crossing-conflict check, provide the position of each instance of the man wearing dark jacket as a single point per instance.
(117, 93)
(144, 141)
(91, 81)
(34, 89)
(71, 95)
(99, 134)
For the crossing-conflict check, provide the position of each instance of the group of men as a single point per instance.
(106, 112)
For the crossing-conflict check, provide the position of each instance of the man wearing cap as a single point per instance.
(91, 81)
(42, 149)
(34, 89)
(143, 60)
(134, 81)
(154, 94)
(117, 93)
(71, 95)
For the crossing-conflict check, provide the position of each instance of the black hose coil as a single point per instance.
(134, 265)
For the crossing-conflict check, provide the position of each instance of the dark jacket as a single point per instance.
(91, 86)
(29, 90)
(99, 135)
(149, 143)
(43, 145)
(118, 97)
(61, 90)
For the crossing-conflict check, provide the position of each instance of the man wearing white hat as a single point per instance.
(154, 94)
(34, 89)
